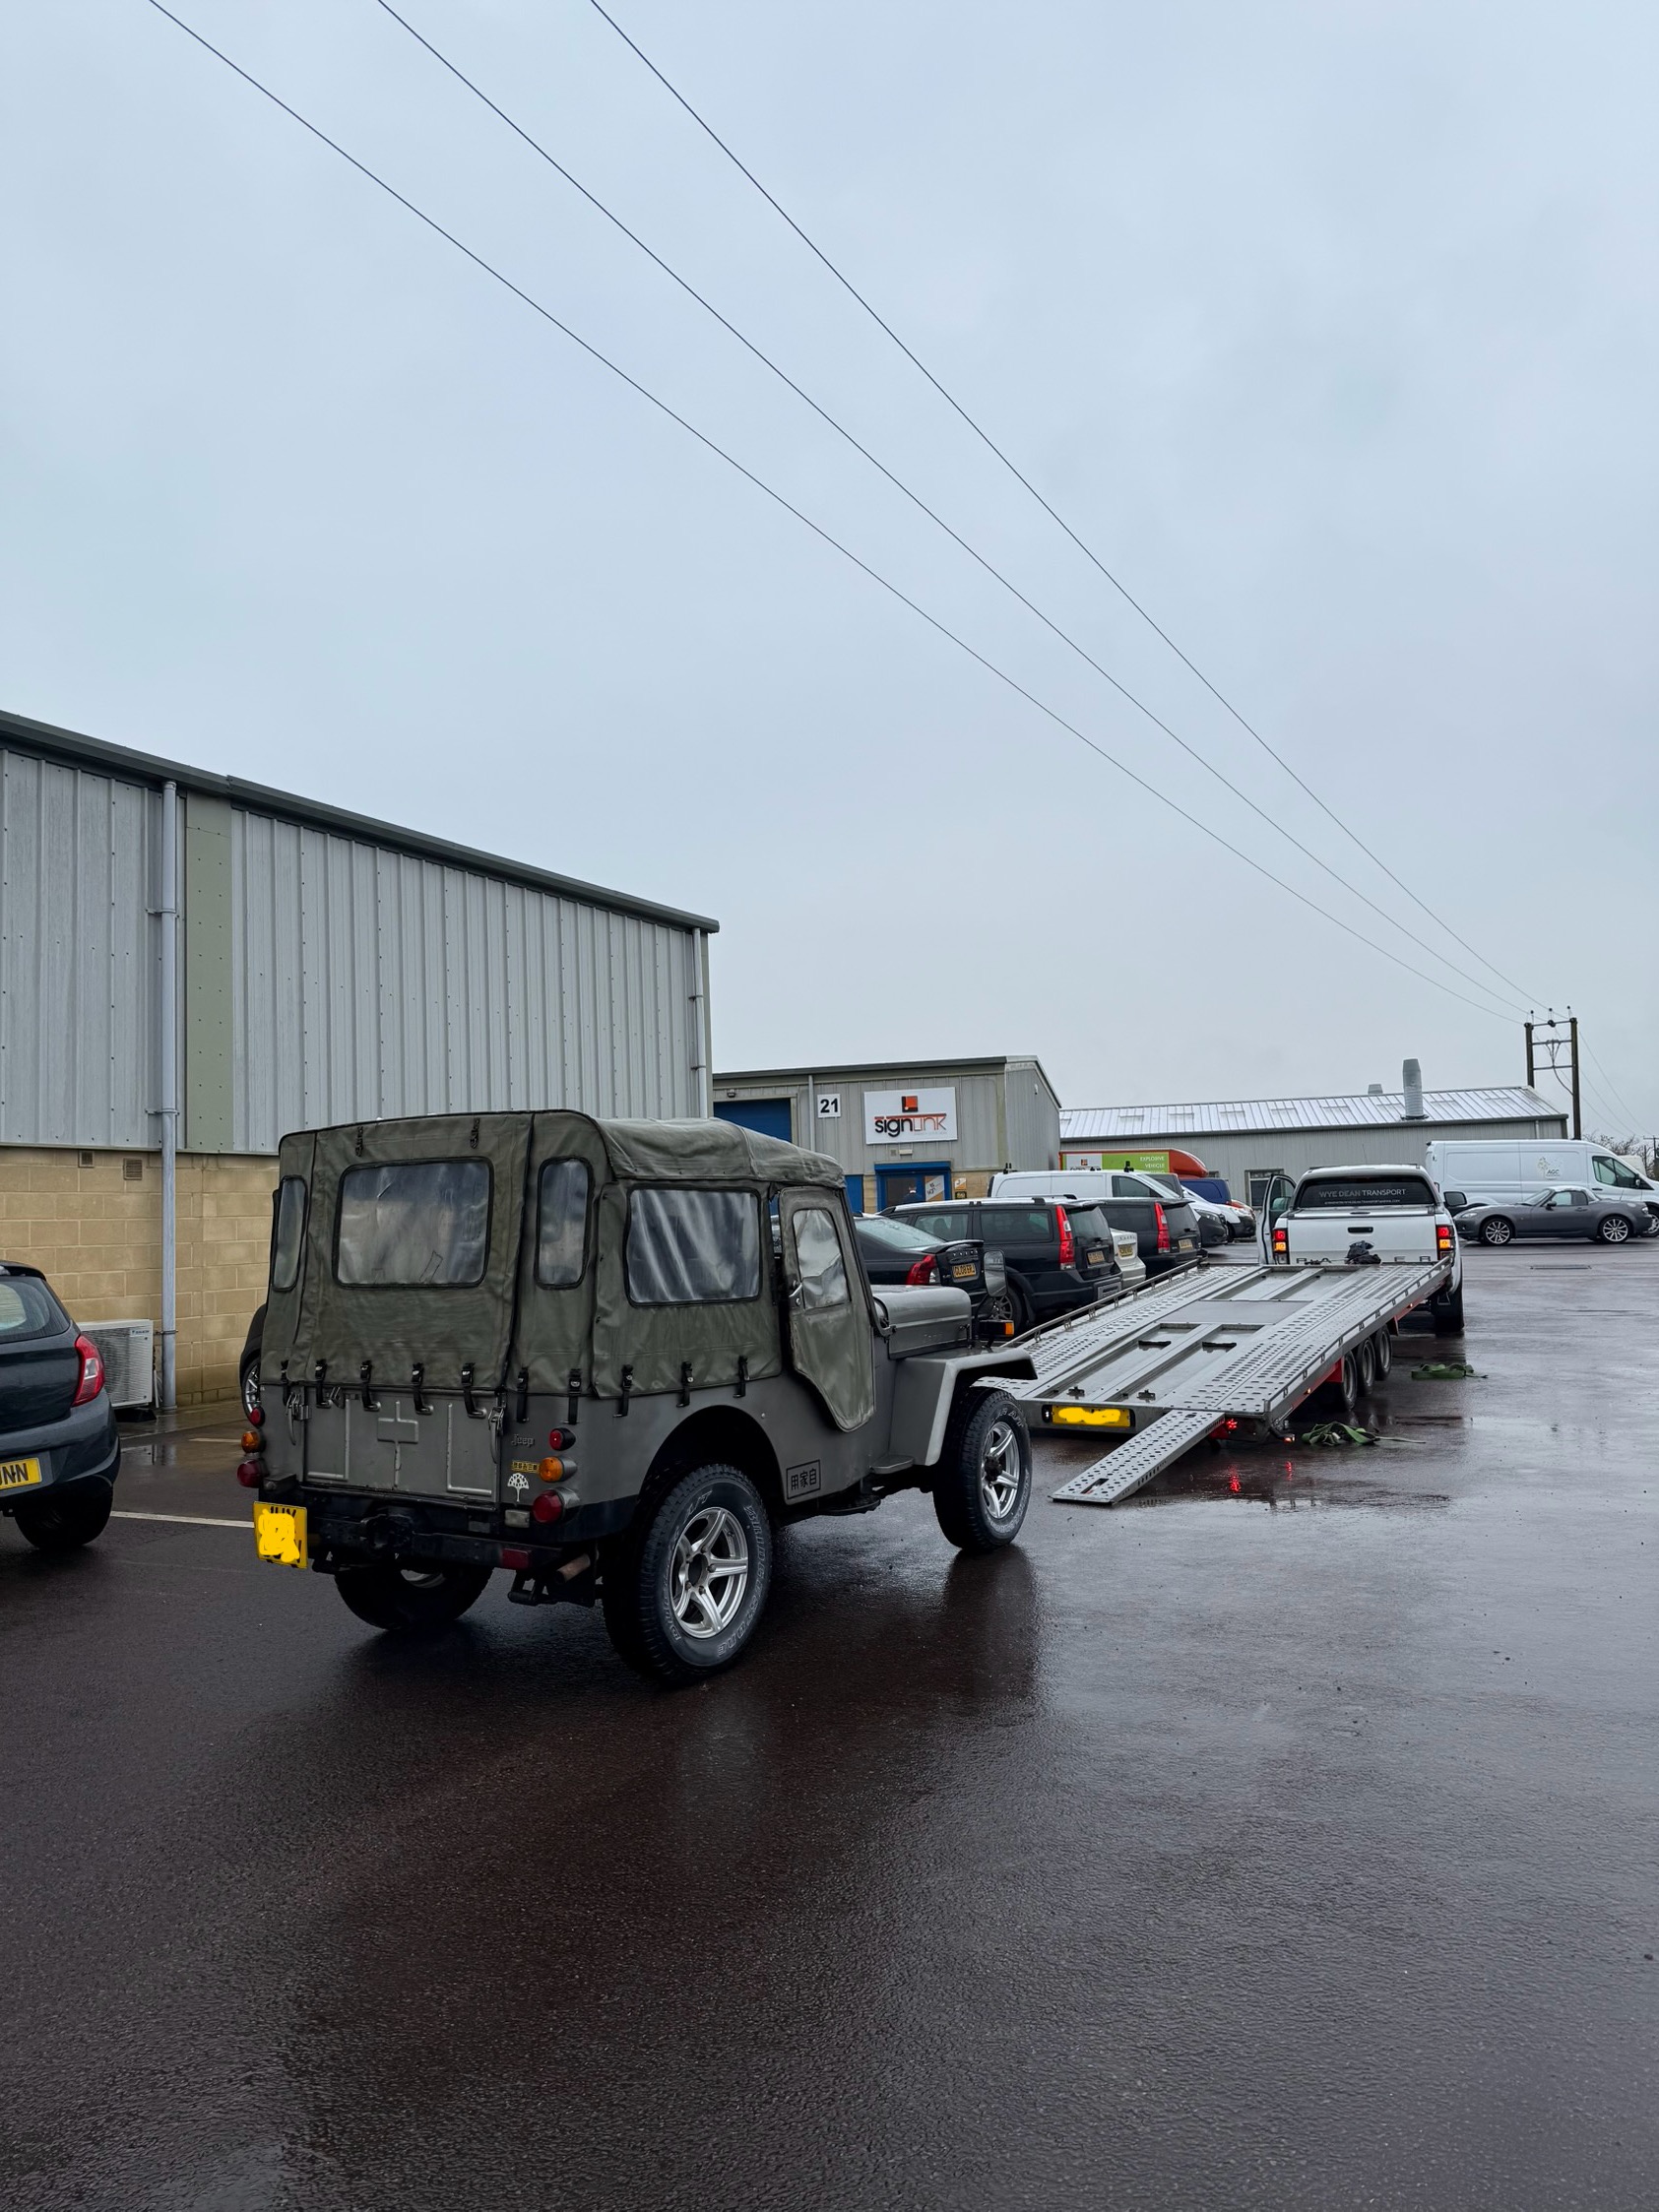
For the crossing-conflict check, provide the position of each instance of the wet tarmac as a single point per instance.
(1283, 1838)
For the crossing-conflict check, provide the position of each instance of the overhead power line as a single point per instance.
(1019, 475)
(917, 501)
(818, 531)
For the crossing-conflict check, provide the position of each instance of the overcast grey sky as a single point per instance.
(1332, 328)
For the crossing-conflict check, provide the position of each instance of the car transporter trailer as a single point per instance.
(1215, 1349)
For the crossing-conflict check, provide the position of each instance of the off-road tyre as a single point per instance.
(247, 1383)
(1449, 1313)
(1382, 1354)
(668, 1587)
(1364, 1366)
(981, 1485)
(66, 1523)
(413, 1599)
(1614, 1230)
(1497, 1230)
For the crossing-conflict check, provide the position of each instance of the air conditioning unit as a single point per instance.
(128, 1351)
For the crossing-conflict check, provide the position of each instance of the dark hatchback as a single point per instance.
(60, 1450)
(1057, 1255)
(896, 1252)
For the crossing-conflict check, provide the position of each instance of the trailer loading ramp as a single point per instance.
(1162, 1368)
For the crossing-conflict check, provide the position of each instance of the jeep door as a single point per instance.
(829, 1327)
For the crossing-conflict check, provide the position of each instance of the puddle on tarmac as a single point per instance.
(1289, 1483)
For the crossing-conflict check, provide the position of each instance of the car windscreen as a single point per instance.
(886, 1236)
(420, 1223)
(29, 1309)
(1089, 1225)
(1348, 1194)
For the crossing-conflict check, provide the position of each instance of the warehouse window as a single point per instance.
(693, 1247)
(562, 1235)
(286, 1230)
(426, 1222)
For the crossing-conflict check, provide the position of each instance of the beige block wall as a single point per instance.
(95, 1230)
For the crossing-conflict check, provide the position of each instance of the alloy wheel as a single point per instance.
(1496, 1233)
(1001, 1471)
(710, 1572)
(1614, 1230)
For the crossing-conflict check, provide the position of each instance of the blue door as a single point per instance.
(856, 1193)
(769, 1116)
(903, 1187)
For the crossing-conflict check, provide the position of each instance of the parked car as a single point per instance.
(896, 1252)
(1057, 1257)
(1575, 1211)
(1166, 1227)
(1510, 1175)
(1238, 1220)
(60, 1450)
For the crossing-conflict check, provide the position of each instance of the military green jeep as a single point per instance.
(610, 1356)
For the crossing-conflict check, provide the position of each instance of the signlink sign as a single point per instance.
(896, 1116)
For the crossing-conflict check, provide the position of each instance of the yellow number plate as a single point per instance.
(17, 1474)
(964, 1274)
(279, 1533)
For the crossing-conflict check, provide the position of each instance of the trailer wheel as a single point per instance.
(411, 1601)
(1364, 1368)
(682, 1595)
(982, 1485)
(1382, 1353)
(1338, 1399)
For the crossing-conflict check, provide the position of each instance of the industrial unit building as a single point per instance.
(905, 1129)
(1249, 1141)
(191, 966)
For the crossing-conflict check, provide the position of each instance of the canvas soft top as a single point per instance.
(508, 1322)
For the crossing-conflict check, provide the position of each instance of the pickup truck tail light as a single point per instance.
(1163, 1220)
(922, 1271)
(91, 1373)
(1068, 1242)
(1281, 1243)
(1443, 1236)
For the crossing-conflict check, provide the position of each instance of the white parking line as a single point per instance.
(185, 1520)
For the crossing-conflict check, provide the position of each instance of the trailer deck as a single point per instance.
(1163, 1368)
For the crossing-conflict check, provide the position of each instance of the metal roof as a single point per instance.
(843, 1069)
(122, 763)
(1369, 1111)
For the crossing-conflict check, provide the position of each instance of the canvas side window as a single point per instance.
(693, 1247)
(420, 1223)
(562, 1235)
(287, 1229)
(817, 1255)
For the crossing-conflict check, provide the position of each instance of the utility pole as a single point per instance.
(1544, 1045)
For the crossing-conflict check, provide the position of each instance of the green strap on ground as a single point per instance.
(1444, 1370)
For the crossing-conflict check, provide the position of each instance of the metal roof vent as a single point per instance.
(1373, 1089)
(1412, 1077)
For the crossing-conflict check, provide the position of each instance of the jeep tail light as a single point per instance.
(1443, 1237)
(91, 1371)
(923, 1271)
(546, 1507)
(249, 1472)
(1068, 1242)
(1163, 1220)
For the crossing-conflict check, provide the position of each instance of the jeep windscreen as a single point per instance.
(1351, 1194)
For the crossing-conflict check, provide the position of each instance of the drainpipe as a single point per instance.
(167, 1047)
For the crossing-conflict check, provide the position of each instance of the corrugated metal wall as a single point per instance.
(372, 982)
(79, 956)
(358, 980)
(1034, 1117)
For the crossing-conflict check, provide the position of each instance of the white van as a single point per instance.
(1491, 1174)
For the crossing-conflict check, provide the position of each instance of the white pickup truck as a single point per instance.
(1365, 1216)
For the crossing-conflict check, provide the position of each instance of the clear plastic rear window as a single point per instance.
(420, 1223)
(693, 1247)
(562, 1235)
(287, 1232)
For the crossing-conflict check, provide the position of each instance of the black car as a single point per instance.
(1597, 1215)
(1165, 1226)
(60, 1450)
(896, 1252)
(1058, 1256)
